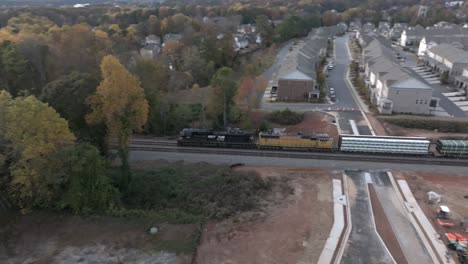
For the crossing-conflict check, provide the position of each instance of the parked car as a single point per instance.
(333, 97)
(330, 67)
(332, 90)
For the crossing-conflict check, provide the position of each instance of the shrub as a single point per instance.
(454, 125)
(182, 194)
(285, 117)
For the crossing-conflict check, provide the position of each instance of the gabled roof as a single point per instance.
(297, 75)
(411, 83)
(450, 53)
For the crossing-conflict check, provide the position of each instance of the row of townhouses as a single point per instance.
(393, 89)
(450, 60)
(296, 77)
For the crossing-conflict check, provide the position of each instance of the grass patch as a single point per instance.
(441, 124)
(183, 195)
(285, 117)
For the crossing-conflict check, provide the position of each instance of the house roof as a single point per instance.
(297, 75)
(411, 83)
(450, 53)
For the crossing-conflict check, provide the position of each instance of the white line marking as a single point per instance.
(354, 127)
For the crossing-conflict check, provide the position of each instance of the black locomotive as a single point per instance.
(230, 138)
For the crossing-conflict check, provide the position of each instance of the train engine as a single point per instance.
(230, 138)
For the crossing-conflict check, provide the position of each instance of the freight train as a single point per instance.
(236, 138)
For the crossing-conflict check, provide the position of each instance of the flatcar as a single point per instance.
(385, 144)
(230, 138)
(298, 141)
(449, 147)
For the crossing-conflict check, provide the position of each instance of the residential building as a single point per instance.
(150, 51)
(446, 58)
(422, 11)
(459, 40)
(412, 35)
(453, 4)
(396, 30)
(241, 41)
(297, 73)
(392, 88)
(171, 37)
(152, 39)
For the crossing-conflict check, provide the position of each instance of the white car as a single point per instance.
(332, 90)
(330, 67)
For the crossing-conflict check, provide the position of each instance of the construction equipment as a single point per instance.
(443, 216)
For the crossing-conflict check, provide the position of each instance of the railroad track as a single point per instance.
(164, 147)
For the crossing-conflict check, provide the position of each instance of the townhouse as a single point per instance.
(392, 88)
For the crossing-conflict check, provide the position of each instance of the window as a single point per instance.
(425, 101)
(417, 101)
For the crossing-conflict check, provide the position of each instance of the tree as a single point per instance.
(88, 188)
(201, 70)
(120, 104)
(76, 47)
(16, 72)
(154, 78)
(221, 98)
(68, 95)
(35, 131)
(265, 29)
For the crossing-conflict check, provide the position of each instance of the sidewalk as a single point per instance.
(356, 96)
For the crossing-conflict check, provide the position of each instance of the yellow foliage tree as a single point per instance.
(35, 132)
(121, 105)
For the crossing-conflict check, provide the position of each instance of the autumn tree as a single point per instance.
(249, 92)
(221, 97)
(76, 47)
(34, 132)
(120, 104)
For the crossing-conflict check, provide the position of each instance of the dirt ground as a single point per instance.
(315, 122)
(292, 230)
(43, 237)
(384, 229)
(452, 187)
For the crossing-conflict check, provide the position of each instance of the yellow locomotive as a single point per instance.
(295, 141)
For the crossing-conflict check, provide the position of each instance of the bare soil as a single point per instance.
(45, 237)
(384, 228)
(379, 129)
(292, 229)
(452, 187)
(315, 122)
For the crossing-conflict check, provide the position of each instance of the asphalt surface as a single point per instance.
(364, 246)
(288, 162)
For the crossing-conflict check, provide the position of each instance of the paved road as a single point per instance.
(364, 246)
(289, 162)
(336, 77)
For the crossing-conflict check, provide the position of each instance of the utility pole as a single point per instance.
(224, 107)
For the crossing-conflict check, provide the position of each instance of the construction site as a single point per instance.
(351, 216)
